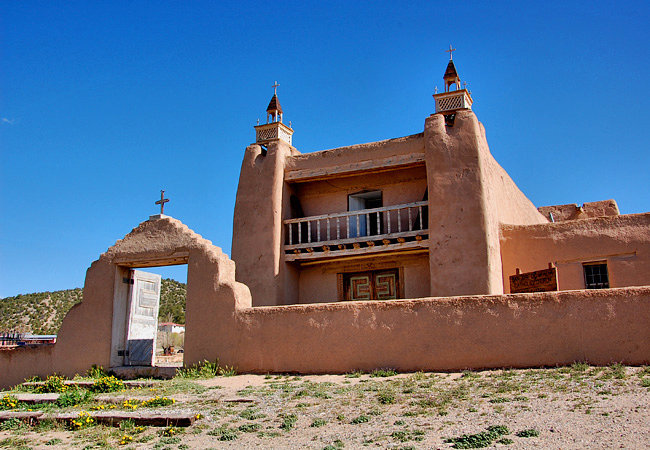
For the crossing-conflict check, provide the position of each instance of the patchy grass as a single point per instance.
(407, 411)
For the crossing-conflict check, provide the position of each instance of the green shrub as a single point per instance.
(72, 397)
(8, 402)
(107, 384)
(96, 372)
(53, 383)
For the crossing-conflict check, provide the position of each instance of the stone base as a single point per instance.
(159, 216)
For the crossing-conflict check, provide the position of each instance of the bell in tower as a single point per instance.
(273, 128)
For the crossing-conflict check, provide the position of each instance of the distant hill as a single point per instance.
(43, 312)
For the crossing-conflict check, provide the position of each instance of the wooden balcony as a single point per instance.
(367, 231)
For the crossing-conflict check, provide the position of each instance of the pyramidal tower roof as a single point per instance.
(451, 70)
(274, 104)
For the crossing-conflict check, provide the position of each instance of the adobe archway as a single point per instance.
(86, 334)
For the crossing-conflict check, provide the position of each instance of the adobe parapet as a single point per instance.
(388, 154)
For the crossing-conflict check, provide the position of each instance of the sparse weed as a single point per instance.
(479, 440)
(386, 397)
(251, 414)
(12, 424)
(355, 374)
(383, 373)
(249, 427)
(96, 371)
(206, 369)
(530, 432)
(317, 423)
(360, 419)
(288, 421)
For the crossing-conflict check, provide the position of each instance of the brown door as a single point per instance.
(372, 285)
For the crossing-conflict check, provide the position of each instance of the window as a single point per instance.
(370, 285)
(596, 275)
(366, 200)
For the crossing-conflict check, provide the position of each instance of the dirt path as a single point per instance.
(573, 407)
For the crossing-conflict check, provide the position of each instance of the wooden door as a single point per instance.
(372, 285)
(142, 322)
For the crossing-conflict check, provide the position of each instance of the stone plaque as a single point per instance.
(538, 281)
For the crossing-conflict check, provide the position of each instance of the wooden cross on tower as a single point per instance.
(451, 52)
(162, 202)
(275, 88)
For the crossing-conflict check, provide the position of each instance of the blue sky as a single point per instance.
(105, 103)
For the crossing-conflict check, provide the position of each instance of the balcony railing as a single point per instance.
(387, 226)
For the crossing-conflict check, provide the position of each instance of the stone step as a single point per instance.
(84, 383)
(25, 416)
(37, 398)
(114, 418)
(143, 418)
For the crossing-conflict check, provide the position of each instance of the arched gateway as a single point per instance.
(94, 331)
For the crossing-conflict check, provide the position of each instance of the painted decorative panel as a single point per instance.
(372, 285)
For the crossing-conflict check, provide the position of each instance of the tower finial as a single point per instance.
(451, 52)
(275, 88)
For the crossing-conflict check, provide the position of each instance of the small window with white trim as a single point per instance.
(596, 275)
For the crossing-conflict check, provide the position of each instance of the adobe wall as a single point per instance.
(355, 153)
(573, 212)
(472, 332)
(331, 196)
(318, 283)
(622, 241)
(520, 330)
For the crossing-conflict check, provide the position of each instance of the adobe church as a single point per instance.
(413, 253)
(427, 215)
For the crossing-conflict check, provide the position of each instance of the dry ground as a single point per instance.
(571, 407)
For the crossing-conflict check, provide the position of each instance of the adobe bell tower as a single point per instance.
(450, 101)
(273, 128)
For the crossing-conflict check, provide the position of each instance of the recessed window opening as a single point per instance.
(596, 276)
(370, 224)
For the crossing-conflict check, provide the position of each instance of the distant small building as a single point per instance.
(171, 327)
(14, 339)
